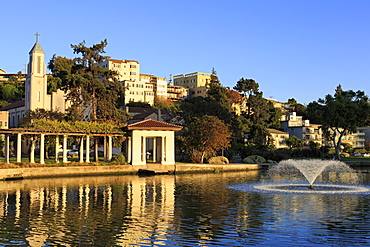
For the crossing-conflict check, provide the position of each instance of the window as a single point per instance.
(133, 66)
(38, 96)
(39, 64)
(132, 73)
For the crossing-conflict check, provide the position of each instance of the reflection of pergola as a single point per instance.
(108, 148)
(156, 136)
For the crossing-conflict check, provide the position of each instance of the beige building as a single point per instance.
(128, 70)
(176, 93)
(139, 87)
(197, 83)
(36, 96)
(4, 118)
(279, 138)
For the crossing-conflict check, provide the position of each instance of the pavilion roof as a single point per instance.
(150, 124)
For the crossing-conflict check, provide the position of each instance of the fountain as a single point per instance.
(337, 176)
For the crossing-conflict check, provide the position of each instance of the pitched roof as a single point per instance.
(37, 48)
(150, 124)
(275, 131)
(19, 103)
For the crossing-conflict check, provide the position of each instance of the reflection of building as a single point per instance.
(106, 211)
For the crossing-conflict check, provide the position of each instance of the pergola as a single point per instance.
(19, 132)
(160, 136)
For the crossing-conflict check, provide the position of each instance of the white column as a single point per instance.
(110, 148)
(65, 160)
(105, 148)
(128, 149)
(19, 147)
(87, 148)
(163, 158)
(7, 140)
(32, 152)
(143, 149)
(82, 150)
(57, 149)
(42, 149)
(154, 149)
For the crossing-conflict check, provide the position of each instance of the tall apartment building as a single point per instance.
(139, 87)
(197, 83)
(159, 84)
(176, 93)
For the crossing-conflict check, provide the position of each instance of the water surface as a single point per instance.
(183, 210)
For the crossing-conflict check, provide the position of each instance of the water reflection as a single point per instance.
(184, 210)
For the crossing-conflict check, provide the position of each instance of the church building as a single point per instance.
(36, 96)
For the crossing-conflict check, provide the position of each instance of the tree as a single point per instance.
(262, 115)
(234, 97)
(297, 107)
(340, 114)
(294, 142)
(247, 86)
(218, 93)
(205, 135)
(92, 89)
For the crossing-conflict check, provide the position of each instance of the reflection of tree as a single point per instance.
(200, 203)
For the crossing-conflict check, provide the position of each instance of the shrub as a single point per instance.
(257, 159)
(248, 161)
(119, 159)
(344, 155)
(218, 160)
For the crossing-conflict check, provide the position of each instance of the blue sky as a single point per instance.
(298, 49)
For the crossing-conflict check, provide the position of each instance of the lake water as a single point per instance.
(182, 210)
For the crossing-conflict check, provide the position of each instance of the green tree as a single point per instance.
(314, 145)
(297, 107)
(92, 89)
(262, 115)
(294, 142)
(247, 87)
(204, 136)
(340, 114)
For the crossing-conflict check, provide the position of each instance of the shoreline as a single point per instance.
(149, 169)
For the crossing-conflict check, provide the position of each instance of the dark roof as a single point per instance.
(150, 124)
(37, 48)
(19, 103)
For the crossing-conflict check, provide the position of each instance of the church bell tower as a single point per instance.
(36, 81)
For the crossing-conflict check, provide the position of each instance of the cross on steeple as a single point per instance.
(37, 36)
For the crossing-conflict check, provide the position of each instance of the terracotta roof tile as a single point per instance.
(150, 124)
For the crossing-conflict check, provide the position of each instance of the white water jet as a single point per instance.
(309, 168)
(281, 176)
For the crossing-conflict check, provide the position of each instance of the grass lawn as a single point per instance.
(356, 159)
(48, 162)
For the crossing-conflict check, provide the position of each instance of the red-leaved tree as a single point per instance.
(204, 136)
